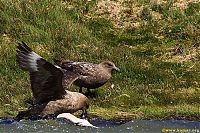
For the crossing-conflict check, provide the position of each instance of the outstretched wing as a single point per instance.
(46, 79)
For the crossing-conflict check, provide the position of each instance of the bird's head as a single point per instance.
(109, 66)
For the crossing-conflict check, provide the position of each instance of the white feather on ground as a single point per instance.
(75, 120)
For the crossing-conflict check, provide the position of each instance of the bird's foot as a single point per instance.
(84, 115)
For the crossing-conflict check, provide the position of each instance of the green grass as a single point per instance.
(182, 111)
(156, 48)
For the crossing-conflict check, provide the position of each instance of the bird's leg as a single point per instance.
(88, 90)
(80, 90)
(84, 114)
(90, 93)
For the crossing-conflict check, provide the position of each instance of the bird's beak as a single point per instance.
(117, 69)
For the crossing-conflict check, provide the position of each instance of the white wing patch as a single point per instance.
(33, 57)
(57, 67)
(75, 63)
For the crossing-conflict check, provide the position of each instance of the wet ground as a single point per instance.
(8, 125)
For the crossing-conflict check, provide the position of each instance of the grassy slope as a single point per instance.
(158, 57)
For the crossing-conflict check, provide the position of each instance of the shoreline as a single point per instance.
(172, 112)
(176, 112)
(170, 117)
(122, 120)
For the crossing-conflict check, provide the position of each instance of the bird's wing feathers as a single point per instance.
(83, 68)
(46, 79)
(68, 78)
(26, 58)
(46, 82)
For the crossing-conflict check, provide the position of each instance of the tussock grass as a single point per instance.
(156, 46)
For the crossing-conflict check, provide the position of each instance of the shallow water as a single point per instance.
(134, 126)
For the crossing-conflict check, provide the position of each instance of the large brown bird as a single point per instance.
(93, 75)
(48, 85)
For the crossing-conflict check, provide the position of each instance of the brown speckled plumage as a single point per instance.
(49, 84)
(93, 75)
